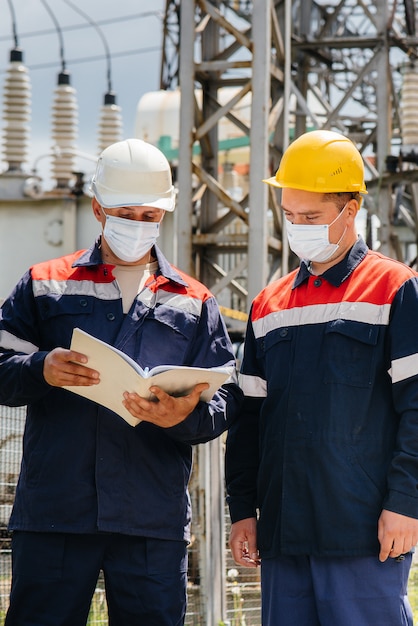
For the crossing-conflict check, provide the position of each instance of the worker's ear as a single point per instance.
(97, 210)
(352, 208)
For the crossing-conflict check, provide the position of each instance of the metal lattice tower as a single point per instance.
(345, 65)
(305, 64)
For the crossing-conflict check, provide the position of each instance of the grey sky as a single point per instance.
(133, 32)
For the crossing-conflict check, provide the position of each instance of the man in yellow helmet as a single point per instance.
(322, 465)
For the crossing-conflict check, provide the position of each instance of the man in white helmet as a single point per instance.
(94, 493)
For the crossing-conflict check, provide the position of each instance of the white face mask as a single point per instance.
(312, 242)
(130, 240)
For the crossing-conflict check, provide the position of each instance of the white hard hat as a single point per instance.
(133, 173)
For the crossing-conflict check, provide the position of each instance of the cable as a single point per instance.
(102, 37)
(90, 59)
(126, 18)
(12, 12)
(58, 29)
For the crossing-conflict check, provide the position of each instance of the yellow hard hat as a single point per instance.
(322, 161)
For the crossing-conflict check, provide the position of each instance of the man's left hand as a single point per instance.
(397, 534)
(167, 410)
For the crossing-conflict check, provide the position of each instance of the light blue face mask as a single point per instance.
(311, 241)
(130, 240)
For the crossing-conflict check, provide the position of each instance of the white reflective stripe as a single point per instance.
(109, 291)
(319, 313)
(103, 291)
(404, 368)
(11, 342)
(253, 386)
(175, 300)
(233, 378)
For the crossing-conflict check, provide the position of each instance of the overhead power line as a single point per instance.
(92, 59)
(49, 31)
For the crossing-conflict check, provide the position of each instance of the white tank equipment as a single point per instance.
(158, 121)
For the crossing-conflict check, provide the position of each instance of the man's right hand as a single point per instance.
(61, 367)
(243, 542)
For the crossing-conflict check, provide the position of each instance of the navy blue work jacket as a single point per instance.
(330, 377)
(84, 469)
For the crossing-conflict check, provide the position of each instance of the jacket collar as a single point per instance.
(338, 273)
(92, 257)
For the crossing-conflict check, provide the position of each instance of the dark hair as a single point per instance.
(340, 199)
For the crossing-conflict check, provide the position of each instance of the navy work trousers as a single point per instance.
(55, 574)
(313, 591)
